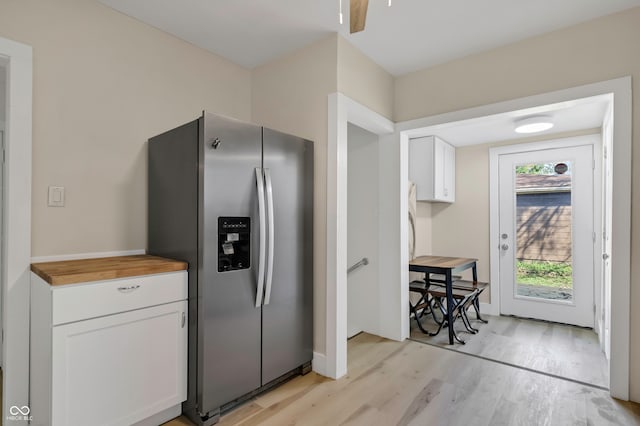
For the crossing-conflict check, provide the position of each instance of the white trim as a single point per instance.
(319, 364)
(95, 255)
(404, 231)
(17, 224)
(341, 110)
(591, 139)
(598, 203)
(621, 217)
(487, 308)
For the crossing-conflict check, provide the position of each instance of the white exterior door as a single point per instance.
(547, 235)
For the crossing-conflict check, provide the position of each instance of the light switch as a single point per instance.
(56, 196)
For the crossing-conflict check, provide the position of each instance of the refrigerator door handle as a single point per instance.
(270, 239)
(263, 235)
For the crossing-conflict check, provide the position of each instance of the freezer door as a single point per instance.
(287, 316)
(229, 329)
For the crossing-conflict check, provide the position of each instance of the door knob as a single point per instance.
(504, 247)
(504, 236)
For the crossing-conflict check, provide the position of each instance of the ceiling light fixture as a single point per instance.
(533, 124)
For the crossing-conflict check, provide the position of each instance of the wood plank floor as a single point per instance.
(409, 383)
(558, 349)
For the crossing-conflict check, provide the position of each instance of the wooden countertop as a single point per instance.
(105, 268)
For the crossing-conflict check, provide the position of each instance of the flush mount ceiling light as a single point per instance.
(533, 124)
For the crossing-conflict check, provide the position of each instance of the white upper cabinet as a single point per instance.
(432, 167)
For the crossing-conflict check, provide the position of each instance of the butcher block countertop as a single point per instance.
(105, 268)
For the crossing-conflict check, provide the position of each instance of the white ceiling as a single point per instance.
(580, 114)
(410, 35)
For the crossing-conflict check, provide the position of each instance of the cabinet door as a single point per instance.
(449, 164)
(421, 167)
(439, 170)
(119, 369)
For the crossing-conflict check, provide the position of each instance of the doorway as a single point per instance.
(362, 231)
(547, 234)
(617, 94)
(341, 111)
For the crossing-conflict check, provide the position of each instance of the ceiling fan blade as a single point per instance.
(358, 15)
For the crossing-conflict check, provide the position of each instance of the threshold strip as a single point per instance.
(508, 364)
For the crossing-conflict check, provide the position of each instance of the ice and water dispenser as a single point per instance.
(234, 242)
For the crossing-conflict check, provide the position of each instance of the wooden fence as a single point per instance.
(544, 226)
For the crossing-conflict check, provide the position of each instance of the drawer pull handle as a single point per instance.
(184, 319)
(128, 289)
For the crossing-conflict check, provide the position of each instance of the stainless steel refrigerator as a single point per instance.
(235, 200)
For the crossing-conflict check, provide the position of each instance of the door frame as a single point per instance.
(621, 91)
(16, 251)
(341, 111)
(593, 140)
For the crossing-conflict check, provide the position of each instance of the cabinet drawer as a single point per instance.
(90, 300)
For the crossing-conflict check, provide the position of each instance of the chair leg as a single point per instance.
(476, 307)
(466, 322)
(435, 305)
(442, 324)
(419, 316)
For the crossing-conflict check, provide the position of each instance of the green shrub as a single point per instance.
(544, 273)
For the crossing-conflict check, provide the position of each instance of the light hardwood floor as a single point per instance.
(409, 383)
(558, 349)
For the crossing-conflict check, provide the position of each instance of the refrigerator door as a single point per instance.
(287, 314)
(229, 332)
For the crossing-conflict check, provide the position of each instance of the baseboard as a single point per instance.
(319, 364)
(95, 255)
(489, 309)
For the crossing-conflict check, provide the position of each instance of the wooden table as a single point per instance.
(446, 266)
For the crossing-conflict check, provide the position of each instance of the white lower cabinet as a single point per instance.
(116, 369)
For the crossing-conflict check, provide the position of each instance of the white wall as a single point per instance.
(103, 84)
(363, 80)
(362, 225)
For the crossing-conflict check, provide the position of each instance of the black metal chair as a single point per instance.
(463, 299)
(425, 305)
(460, 284)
